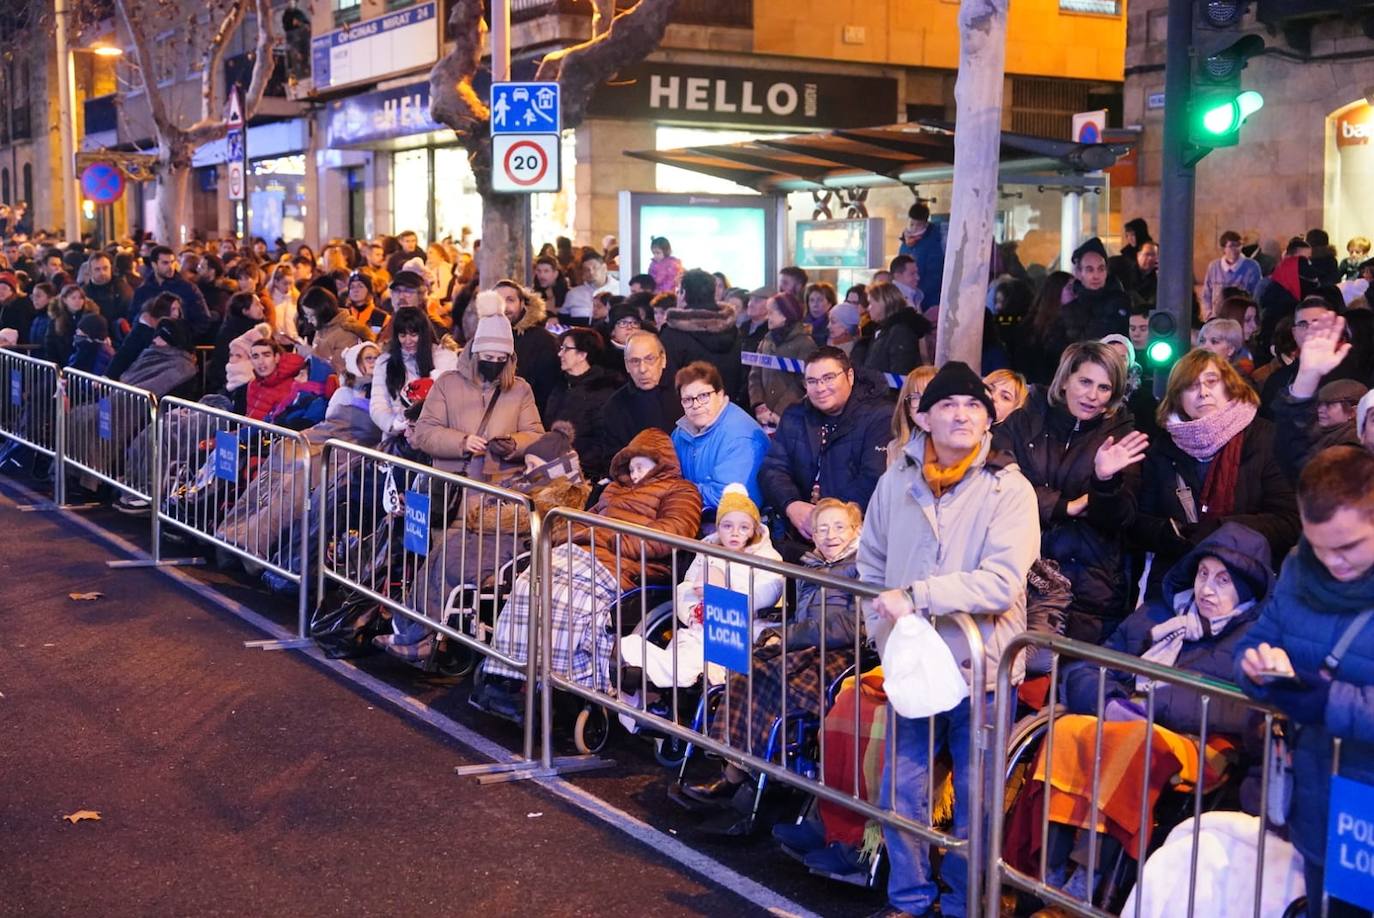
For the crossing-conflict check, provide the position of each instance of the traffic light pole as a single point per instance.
(1176, 185)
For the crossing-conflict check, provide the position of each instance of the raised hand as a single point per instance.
(1322, 351)
(1114, 455)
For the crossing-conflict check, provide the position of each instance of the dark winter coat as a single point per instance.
(842, 622)
(1299, 439)
(581, 401)
(1306, 616)
(631, 409)
(17, 313)
(1176, 708)
(1264, 500)
(193, 308)
(896, 343)
(1092, 314)
(704, 334)
(113, 299)
(854, 458)
(781, 389)
(662, 500)
(1056, 453)
(139, 339)
(536, 353)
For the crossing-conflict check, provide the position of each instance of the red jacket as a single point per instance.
(266, 394)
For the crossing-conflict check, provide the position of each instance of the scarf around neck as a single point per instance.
(1188, 625)
(1204, 437)
(942, 478)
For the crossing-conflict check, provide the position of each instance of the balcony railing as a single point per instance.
(736, 13)
(101, 114)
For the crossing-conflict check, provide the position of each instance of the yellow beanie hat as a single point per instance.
(735, 499)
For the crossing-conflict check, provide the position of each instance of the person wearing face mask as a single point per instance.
(536, 348)
(646, 489)
(482, 401)
(1075, 442)
(411, 354)
(1216, 463)
(1211, 597)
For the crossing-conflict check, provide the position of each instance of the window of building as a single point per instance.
(28, 182)
(1101, 7)
(4, 186)
(399, 4)
(347, 11)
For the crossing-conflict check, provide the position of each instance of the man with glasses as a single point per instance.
(647, 400)
(717, 442)
(1312, 311)
(833, 443)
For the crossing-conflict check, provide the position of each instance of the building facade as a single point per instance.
(1304, 160)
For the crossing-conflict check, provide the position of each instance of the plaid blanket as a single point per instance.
(746, 728)
(583, 592)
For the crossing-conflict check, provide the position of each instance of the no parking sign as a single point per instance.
(102, 183)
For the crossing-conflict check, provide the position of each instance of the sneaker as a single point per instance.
(1077, 887)
(133, 506)
(799, 838)
(836, 861)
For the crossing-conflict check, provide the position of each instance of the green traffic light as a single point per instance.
(1160, 352)
(1227, 118)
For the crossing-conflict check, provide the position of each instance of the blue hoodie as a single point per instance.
(730, 450)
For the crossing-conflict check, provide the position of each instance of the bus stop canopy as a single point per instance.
(896, 154)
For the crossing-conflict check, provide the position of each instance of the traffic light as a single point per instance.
(1219, 106)
(1162, 349)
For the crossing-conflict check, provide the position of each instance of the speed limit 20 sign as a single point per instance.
(525, 163)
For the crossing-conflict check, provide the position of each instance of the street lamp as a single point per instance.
(66, 115)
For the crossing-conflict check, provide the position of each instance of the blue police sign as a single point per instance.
(104, 423)
(417, 523)
(726, 620)
(226, 455)
(16, 388)
(102, 183)
(1350, 843)
(525, 108)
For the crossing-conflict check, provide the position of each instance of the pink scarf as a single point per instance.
(1204, 437)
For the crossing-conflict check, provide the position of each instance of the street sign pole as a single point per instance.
(236, 158)
(1176, 187)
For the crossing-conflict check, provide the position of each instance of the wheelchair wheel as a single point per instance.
(455, 659)
(592, 729)
(670, 751)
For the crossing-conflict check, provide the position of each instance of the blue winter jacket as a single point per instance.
(1306, 615)
(929, 252)
(730, 450)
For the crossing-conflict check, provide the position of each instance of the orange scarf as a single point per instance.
(941, 478)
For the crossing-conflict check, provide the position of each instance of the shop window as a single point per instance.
(347, 11)
(410, 191)
(1100, 7)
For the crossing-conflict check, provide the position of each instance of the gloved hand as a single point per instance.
(501, 447)
(1303, 699)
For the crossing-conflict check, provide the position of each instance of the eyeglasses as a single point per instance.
(914, 398)
(637, 362)
(696, 401)
(567, 347)
(627, 321)
(813, 382)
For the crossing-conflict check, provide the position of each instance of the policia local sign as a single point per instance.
(754, 98)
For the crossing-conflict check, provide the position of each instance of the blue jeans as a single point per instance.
(910, 886)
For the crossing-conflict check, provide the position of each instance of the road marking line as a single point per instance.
(705, 865)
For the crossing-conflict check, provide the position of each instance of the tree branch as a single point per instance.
(580, 69)
(212, 126)
(166, 127)
(210, 60)
(452, 100)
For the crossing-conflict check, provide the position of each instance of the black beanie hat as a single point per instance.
(176, 333)
(94, 326)
(1092, 245)
(956, 378)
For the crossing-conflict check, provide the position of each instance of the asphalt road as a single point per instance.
(235, 781)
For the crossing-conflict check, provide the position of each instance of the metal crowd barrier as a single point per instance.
(241, 485)
(1020, 740)
(439, 550)
(101, 420)
(674, 719)
(28, 408)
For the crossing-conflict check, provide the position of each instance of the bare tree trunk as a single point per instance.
(977, 149)
(173, 194)
(505, 239)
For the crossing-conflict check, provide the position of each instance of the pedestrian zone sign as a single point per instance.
(525, 108)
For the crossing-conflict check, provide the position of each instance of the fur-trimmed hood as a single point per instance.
(536, 312)
(698, 321)
(650, 443)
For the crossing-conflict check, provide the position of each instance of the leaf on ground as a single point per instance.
(82, 816)
(85, 597)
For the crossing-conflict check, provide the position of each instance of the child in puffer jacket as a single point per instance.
(739, 529)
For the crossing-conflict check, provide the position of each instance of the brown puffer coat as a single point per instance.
(664, 500)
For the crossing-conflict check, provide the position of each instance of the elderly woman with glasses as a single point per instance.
(717, 442)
